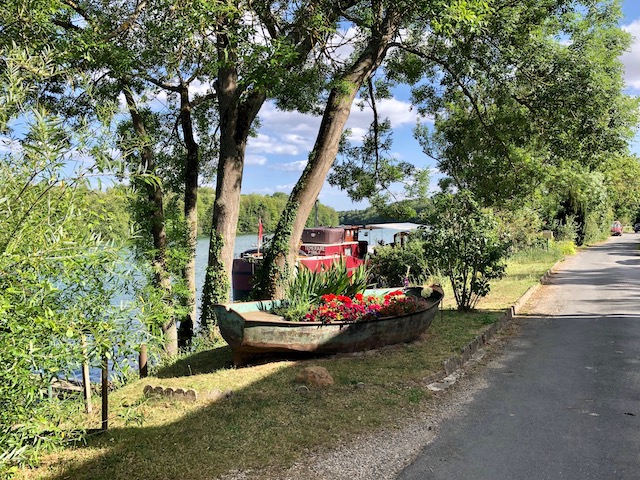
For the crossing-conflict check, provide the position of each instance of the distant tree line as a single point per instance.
(112, 204)
(405, 211)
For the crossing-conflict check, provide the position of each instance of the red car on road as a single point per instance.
(616, 229)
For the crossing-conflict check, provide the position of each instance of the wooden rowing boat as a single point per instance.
(250, 329)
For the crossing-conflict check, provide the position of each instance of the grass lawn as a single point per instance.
(269, 422)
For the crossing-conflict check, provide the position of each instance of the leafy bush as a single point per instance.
(391, 264)
(565, 247)
(462, 241)
(57, 278)
(523, 226)
(567, 231)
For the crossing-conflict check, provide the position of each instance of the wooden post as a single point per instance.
(105, 392)
(142, 361)
(548, 234)
(86, 380)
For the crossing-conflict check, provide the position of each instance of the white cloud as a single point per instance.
(285, 188)
(399, 113)
(631, 59)
(255, 160)
(9, 145)
(356, 134)
(290, 166)
(341, 45)
(292, 123)
(297, 140)
(294, 133)
(199, 88)
(267, 144)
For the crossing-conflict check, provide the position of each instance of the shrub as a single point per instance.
(57, 278)
(462, 241)
(567, 231)
(565, 247)
(523, 226)
(391, 264)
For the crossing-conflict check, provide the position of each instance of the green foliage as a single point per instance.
(206, 198)
(391, 264)
(507, 132)
(393, 212)
(271, 276)
(270, 207)
(59, 281)
(113, 221)
(307, 286)
(578, 205)
(622, 179)
(160, 305)
(567, 231)
(369, 171)
(462, 241)
(565, 247)
(216, 285)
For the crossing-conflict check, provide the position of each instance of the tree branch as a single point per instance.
(474, 102)
(79, 10)
(164, 86)
(128, 23)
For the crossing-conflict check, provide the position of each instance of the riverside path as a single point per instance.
(562, 401)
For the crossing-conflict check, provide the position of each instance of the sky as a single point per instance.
(276, 157)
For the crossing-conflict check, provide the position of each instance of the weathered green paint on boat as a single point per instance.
(250, 330)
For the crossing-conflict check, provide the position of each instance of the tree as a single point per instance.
(369, 171)
(57, 277)
(520, 107)
(622, 179)
(462, 242)
(140, 50)
(379, 26)
(391, 265)
(285, 65)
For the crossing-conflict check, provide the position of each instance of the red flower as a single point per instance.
(359, 309)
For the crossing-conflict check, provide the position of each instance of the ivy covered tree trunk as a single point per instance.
(191, 170)
(282, 254)
(236, 116)
(162, 278)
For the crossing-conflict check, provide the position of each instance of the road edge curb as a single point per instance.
(473, 351)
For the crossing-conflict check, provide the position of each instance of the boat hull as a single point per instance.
(250, 331)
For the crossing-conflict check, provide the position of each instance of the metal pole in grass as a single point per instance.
(105, 392)
(142, 361)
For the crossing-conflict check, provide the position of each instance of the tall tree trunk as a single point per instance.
(162, 278)
(191, 171)
(236, 116)
(284, 246)
(238, 109)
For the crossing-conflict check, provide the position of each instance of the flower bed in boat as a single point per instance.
(363, 308)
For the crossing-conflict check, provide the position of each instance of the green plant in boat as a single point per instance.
(307, 288)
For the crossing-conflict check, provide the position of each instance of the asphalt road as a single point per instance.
(563, 399)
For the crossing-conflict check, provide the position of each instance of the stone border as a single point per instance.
(473, 351)
(190, 394)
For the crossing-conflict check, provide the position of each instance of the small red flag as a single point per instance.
(259, 233)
